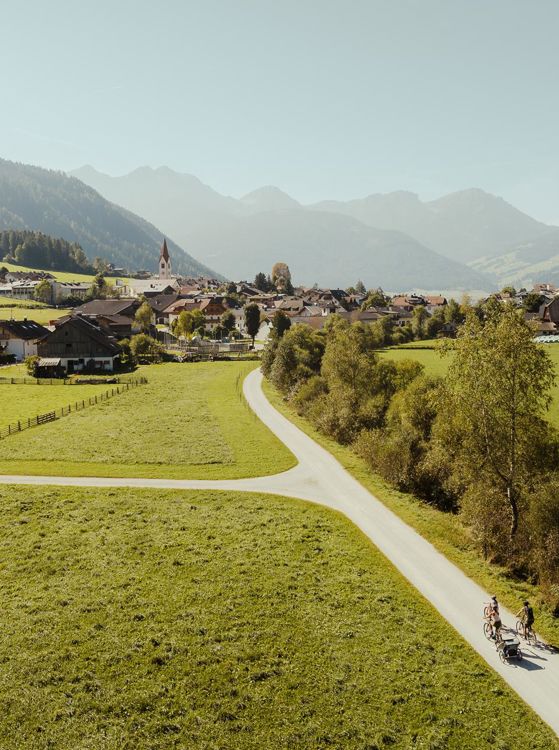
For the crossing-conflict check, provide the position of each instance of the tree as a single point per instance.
(228, 321)
(280, 323)
(262, 282)
(43, 292)
(490, 423)
(360, 287)
(189, 323)
(533, 301)
(281, 276)
(375, 298)
(252, 320)
(146, 349)
(420, 317)
(143, 317)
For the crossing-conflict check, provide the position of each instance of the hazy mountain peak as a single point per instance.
(269, 198)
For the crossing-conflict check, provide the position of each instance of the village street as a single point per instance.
(320, 478)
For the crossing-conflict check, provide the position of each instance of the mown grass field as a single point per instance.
(436, 365)
(444, 530)
(60, 275)
(155, 619)
(40, 315)
(20, 402)
(189, 421)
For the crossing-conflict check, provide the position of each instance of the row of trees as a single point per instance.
(38, 250)
(476, 442)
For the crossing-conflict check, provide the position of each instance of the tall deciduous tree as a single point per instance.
(492, 407)
(43, 292)
(281, 323)
(143, 317)
(252, 320)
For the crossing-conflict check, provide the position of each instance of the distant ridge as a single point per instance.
(62, 206)
(242, 236)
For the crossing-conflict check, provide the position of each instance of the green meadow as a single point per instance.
(22, 402)
(157, 619)
(59, 275)
(42, 315)
(189, 421)
(436, 365)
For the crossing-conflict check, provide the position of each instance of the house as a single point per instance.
(153, 287)
(77, 343)
(213, 308)
(127, 307)
(19, 337)
(22, 289)
(61, 290)
(159, 305)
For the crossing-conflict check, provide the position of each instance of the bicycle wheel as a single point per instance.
(488, 631)
(520, 628)
(531, 636)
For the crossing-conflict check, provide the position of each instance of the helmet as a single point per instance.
(526, 604)
(494, 597)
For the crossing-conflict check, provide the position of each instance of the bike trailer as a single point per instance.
(510, 646)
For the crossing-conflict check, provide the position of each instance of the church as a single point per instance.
(164, 262)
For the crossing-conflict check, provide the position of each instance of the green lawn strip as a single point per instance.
(22, 402)
(42, 315)
(65, 275)
(189, 421)
(156, 619)
(444, 530)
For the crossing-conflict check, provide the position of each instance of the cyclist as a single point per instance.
(526, 615)
(493, 606)
(495, 619)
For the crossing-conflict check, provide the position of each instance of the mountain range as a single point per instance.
(62, 206)
(469, 240)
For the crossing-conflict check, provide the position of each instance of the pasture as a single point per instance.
(189, 421)
(156, 619)
(435, 365)
(42, 315)
(60, 275)
(22, 402)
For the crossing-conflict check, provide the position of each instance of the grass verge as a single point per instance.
(445, 531)
(153, 620)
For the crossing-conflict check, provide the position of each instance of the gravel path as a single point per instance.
(320, 478)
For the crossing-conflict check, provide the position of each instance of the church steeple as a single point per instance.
(164, 262)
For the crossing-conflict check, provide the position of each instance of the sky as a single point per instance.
(323, 98)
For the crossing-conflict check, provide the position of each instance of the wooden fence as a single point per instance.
(50, 416)
(92, 380)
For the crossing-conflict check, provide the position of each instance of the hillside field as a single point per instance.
(156, 620)
(60, 275)
(41, 315)
(189, 421)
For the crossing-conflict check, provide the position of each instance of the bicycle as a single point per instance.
(490, 632)
(528, 632)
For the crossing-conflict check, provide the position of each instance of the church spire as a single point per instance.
(164, 262)
(164, 252)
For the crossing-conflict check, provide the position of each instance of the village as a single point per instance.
(205, 318)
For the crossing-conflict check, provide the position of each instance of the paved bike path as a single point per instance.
(320, 478)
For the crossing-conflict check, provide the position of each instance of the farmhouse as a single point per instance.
(19, 337)
(79, 344)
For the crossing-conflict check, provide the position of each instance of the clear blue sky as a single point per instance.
(323, 98)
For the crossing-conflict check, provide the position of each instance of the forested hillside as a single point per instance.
(51, 202)
(38, 250)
